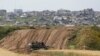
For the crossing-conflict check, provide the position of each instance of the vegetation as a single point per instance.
(88, 37)
(4, 30)
(65, 53)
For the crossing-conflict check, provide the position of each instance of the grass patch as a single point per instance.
(60, 53)
(87, 37)
(5, 30)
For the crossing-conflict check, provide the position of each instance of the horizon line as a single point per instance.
(46, 9)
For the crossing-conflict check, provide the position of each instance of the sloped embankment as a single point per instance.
(19, 39)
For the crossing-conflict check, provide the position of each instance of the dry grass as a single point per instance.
(70, 53)
(4, 52)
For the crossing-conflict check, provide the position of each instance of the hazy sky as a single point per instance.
(49, 4)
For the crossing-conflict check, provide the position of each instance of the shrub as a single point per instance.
(88, 37)
(4, 30)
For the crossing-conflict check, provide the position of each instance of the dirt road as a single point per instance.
(4, 52)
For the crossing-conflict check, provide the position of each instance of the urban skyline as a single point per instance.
(38, 5)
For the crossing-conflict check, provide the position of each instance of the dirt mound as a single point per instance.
(19, 40)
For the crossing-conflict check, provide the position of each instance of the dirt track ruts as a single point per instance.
(54, 37)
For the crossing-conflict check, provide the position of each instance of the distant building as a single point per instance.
(10, 15)
(46, 13)
(24, 15)
(18, 12)
(3, 12)
(63, 12)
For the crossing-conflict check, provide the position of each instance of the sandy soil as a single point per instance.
(4, 52)
(87, 52)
